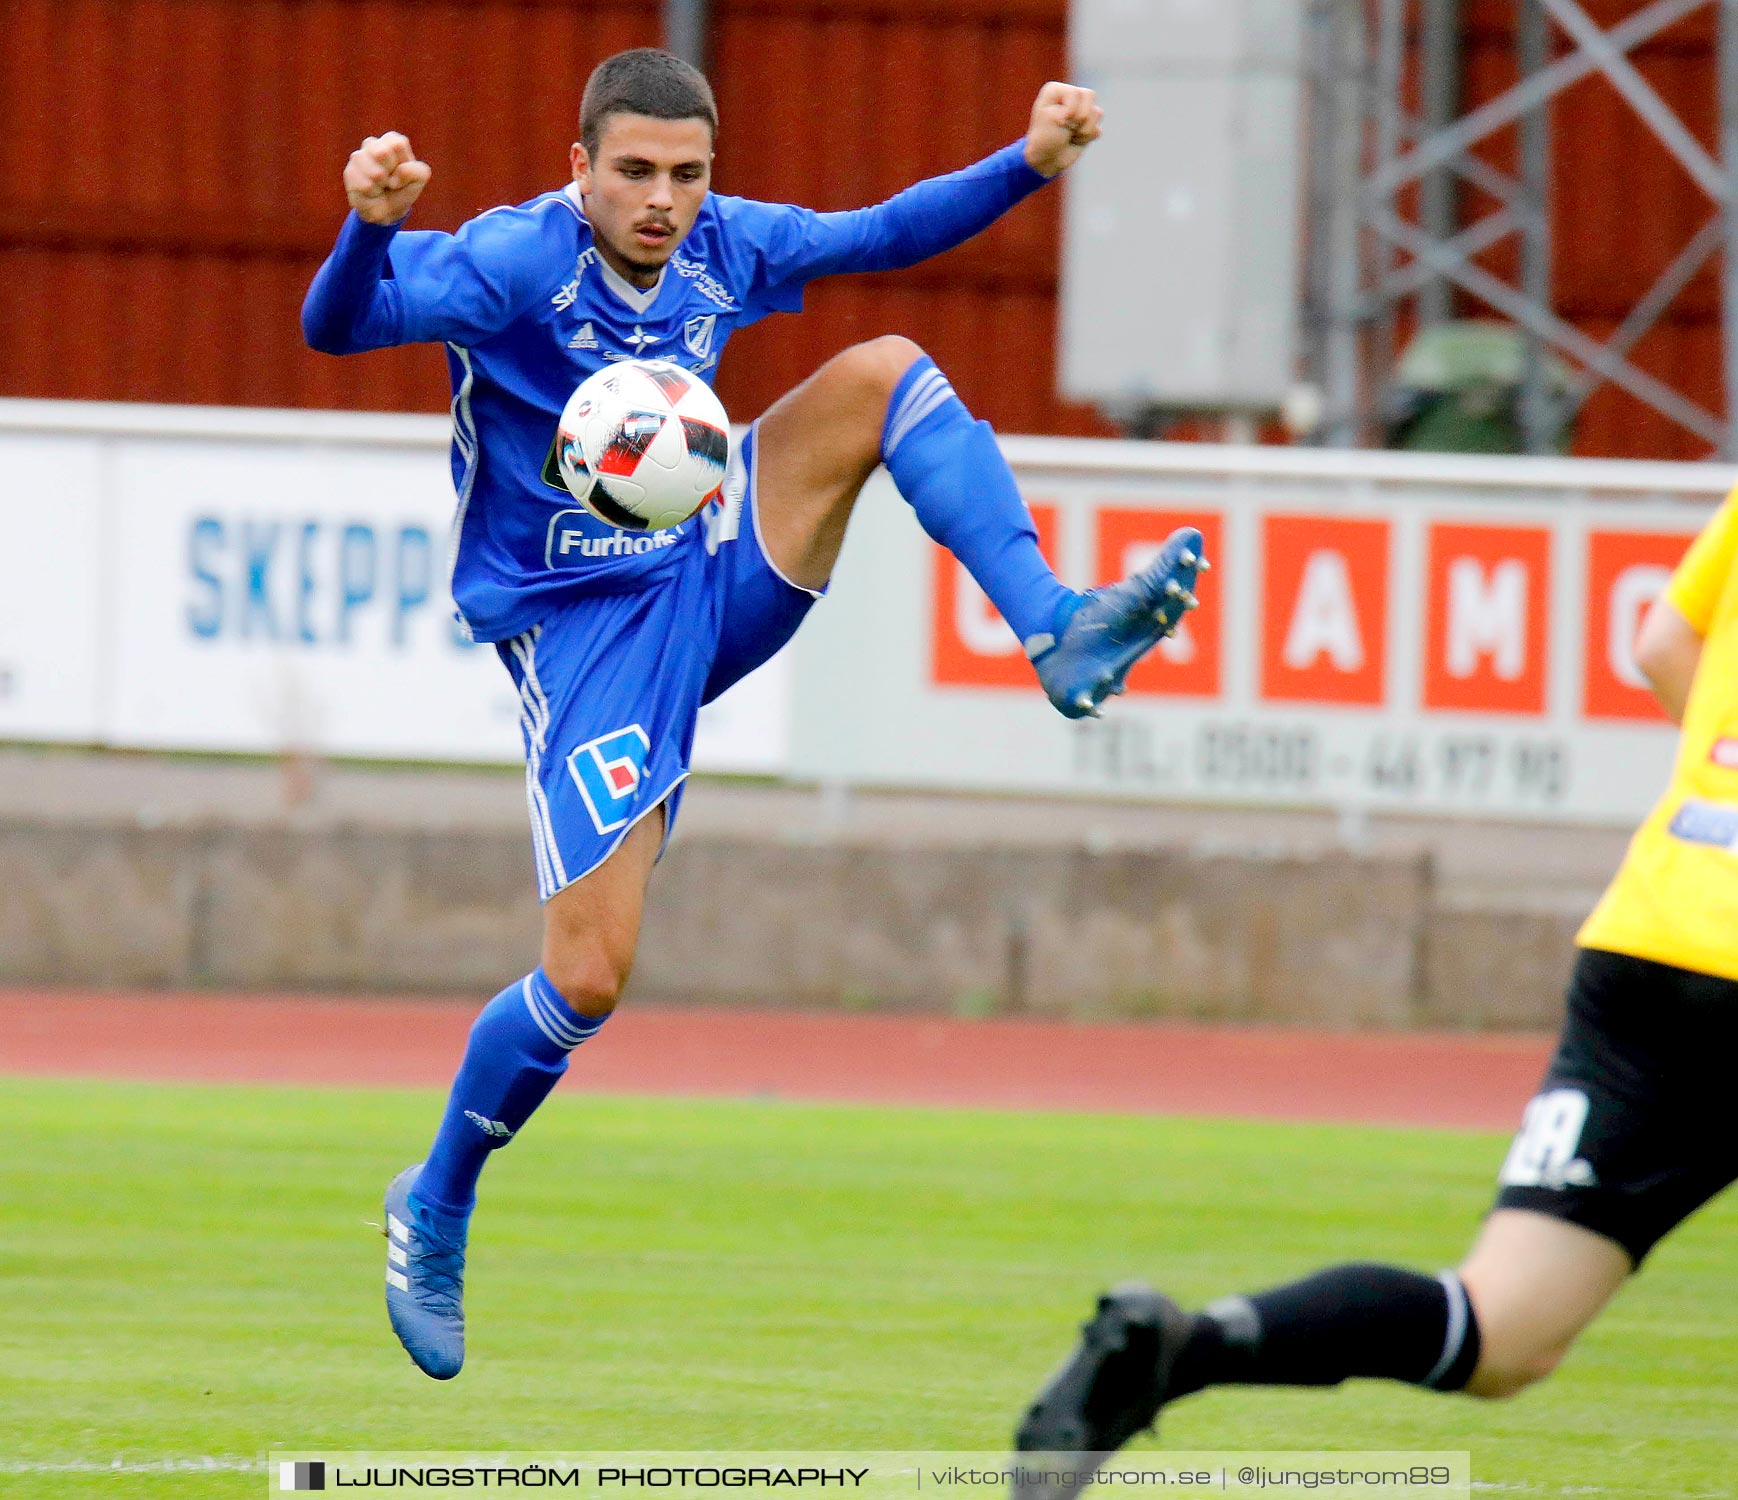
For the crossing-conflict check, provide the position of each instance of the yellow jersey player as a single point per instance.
(1628, 1135)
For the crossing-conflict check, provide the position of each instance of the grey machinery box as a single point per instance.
(1180, 229)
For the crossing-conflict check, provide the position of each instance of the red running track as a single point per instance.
(1394, 1078)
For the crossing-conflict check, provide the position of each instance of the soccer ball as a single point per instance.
(643, 444)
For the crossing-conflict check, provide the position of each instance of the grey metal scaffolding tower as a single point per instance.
(1366, 145)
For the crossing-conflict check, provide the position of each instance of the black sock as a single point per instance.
(1358, 1320)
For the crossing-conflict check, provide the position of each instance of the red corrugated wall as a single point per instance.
(169, 181)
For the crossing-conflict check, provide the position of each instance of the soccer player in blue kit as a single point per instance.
(614, 641)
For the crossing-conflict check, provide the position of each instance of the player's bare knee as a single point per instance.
(841, 410)
(878, 365)
(1508, 1375)
(586, 977)
(1514, 1353)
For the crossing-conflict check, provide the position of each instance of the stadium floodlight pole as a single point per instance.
(1506, 190)
(1651, 308)
(1322, 207)
(1439, 193)
(1532, 49)
(1565, 336)
(1390, 63)
(1655, 113)
(1340, 96)
(1345, 365)
(1515, 102)
(1474, 240)
(1727, 45)
(1439, 203)
(1463, 164)
(685, 26)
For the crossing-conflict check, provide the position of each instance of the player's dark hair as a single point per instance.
(644, 81)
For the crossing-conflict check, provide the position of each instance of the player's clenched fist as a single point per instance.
(383, 178)
(1065, 121)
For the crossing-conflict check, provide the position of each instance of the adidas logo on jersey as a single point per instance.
(586, 338)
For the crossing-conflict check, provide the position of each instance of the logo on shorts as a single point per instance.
(1725, 753)
(608, 771)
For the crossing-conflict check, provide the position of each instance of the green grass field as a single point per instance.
(184, 1273)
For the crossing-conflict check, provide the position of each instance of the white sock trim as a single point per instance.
(929, 391)
(1459, 1317)
(553, 1023)
(915, 414)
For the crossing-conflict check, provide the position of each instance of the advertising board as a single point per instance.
(195, 579)
(51, 588)
(1451, 636)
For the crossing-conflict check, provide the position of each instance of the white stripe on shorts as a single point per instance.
(525, 649)
(534, 741)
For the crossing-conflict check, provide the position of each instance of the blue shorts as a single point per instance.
(610, 685)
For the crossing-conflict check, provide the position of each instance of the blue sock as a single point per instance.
(517, 1051)
(953, 475)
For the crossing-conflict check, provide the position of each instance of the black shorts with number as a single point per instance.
(1632, 1129)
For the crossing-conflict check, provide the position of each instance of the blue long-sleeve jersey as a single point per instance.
(527, 309)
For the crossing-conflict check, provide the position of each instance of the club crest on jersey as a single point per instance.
(697, 334)
(608, 772)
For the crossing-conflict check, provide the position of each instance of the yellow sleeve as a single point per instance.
(1700, 578)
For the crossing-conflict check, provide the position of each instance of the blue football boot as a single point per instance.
(1112, 628)
(425, 1281)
